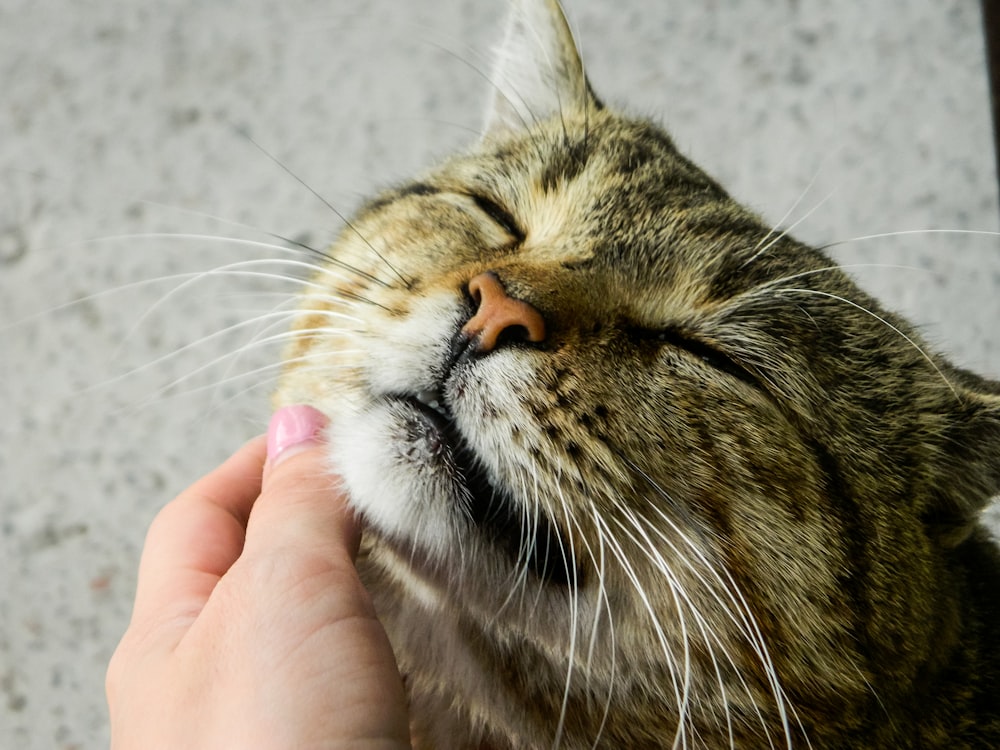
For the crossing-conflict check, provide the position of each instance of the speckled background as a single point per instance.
(119, 123)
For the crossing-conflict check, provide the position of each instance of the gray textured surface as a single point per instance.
(109, 102)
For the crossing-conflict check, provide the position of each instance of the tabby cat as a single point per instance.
(638, 470)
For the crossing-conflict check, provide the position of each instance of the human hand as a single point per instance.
(251, 628)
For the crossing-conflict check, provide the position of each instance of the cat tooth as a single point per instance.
(431, 399)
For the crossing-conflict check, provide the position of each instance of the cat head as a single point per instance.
(619, 440)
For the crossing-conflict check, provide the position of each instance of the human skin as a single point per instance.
(251, 628)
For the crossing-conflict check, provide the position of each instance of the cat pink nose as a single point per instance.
(500, 316)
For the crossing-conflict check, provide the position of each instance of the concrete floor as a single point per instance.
(119, 122)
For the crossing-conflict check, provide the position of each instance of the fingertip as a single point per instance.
(291, 429)
(302, 501)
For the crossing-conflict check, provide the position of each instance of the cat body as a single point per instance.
(638, 470)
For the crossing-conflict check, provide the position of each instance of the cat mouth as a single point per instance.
(527, 536)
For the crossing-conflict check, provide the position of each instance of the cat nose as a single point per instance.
(500, 317)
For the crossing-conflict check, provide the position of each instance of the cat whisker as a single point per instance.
(132, 198)
(271, 368)
(598, 564)
(680, 596)
(233, 269)
(791, 210)
(290, 243)
(281, 315)
(634, 579)
(909, 232)
(745, 622)
(188, 237)
(651, 551)
(784, 232)
(407, 283)
(602, 596)
(185, 279)
(574, 618)
(519, 572)
(883, 321)
(757, 291)
(736, 608)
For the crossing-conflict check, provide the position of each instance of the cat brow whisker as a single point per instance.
(236, 269)
(326, 258)
(756, 291)
(221, 239)
(479, 72)
(509, 90)
(339, 214)
(738, 302)
(294, 244)
(784, 232)
(502, 92)
(795, 204)
(132, 198)
(222, 220)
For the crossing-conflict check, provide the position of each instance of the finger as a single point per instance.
(299, 556)
(301, 505)
(196, 538)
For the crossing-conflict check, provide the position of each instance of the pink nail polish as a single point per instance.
(293, 425)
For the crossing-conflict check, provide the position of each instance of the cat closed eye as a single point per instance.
(500, 216)
(710, 355)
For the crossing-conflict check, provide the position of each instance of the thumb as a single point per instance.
(301, 505)
(303, 535)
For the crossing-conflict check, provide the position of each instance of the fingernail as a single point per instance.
(291, 426)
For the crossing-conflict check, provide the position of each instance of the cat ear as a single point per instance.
(538, 72)
(967, 474)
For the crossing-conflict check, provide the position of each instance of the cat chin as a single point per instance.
(391, 464)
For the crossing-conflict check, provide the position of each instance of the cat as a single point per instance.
(638, 470)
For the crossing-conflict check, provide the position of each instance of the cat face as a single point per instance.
(631, 461)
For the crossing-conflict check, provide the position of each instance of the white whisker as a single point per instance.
(285, 335)
(908, 232)
(761, 247)
(883, 321)
(273, 367)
